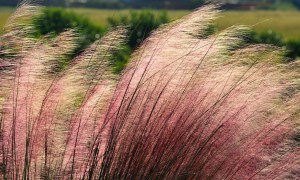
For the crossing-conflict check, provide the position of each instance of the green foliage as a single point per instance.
(121, 58)
(266, 37)
(270, 37)
(57, 20)
(140, 24)
(293, 48)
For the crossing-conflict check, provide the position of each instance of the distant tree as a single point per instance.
(296, 3)
(54, 2)
(9, 2)
(174, 4)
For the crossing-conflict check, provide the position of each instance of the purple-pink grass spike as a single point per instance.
(188, 106)
(181, 111)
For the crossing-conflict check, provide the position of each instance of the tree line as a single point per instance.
(175, 4)
(118, 4)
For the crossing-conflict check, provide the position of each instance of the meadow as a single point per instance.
(284, 22)
(4, 15)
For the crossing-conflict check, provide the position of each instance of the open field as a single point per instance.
(286, 23)
(4, 15)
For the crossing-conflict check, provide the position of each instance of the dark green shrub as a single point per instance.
(121, 58)
(140, 24)
(270, 37)
(266, 37)
(293, 48)
(57, 20)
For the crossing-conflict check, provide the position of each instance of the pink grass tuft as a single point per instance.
(187, 106)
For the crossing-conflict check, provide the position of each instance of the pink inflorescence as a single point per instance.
(187, 106)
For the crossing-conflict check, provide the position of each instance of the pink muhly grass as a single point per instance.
(187, 106)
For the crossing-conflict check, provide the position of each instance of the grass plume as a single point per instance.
(188, 106)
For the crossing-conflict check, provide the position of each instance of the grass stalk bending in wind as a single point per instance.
(188, 106)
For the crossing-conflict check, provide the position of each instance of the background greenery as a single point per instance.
(284, 22)
(173, 4)
(279, 28)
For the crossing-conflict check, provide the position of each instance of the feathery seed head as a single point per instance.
(188, 105)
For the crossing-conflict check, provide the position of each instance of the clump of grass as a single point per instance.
(185, 107)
